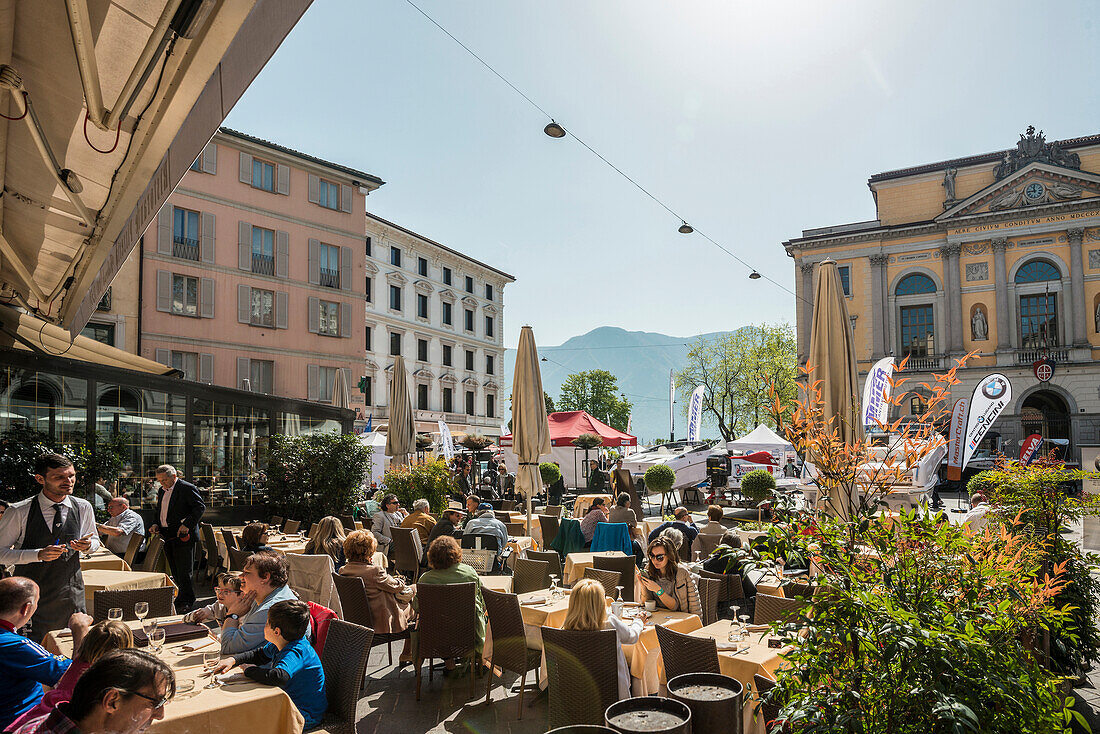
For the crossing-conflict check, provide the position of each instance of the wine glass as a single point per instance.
(148, 625)
(744, 618)
(156, 640)
(554, 586)
(114, 614)
(210, 661)
(141, 610)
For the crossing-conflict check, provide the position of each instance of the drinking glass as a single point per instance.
(744, 618)
(114, 614)
(148, 625)
(210, 661)
(141, 609)
(156, 640)
(554, 586)
(618, 594)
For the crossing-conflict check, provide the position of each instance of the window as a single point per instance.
(422, 266)
(490, 364)
(326, 380)
(448, 318)
(422, 350)
(469, 402)
(917, 330)
(263, 175)
(446, 276)
(261, 375)
(329, 256)
(263, 251)
(915, 284)
(369, 340)
(263, 308)
(448, 400)
(488, 291)
(368, 255)
(468, 319)
(489, 327)
(421, 305)
(395, 344)
(187, 363)
(917, 406)
(469, 360)
(368, 389)
(469, 284)
(185, 234)
(196, 165)
(1038, 320)
(448, 356)
(185, 295)
(328, 194)
(102, 333)
(395, 297)
(329, 322)
(1037, 271)
(395, 256)
(368, 288)
(845, 279)
(421, 397)
(490, 406)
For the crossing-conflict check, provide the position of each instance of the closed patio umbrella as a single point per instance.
(530, 430)
(833, 357)
(401, 435)
(340, 394)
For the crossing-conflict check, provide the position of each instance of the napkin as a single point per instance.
(200, 644)
(231, 678)
(533, 602)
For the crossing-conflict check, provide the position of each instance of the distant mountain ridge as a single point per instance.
(641, 360)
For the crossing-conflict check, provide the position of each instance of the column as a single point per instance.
(1000, 278)
(807, 310)
(1077, 287)
(878, 305)
(953, 297)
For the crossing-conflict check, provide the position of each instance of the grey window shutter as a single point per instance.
(314, 315)
(345, 320)
(206, 299)
(244, 372)
(164, 290)
(281, 299)
(244, 246)
(244, 304)
(206, 247)
(206, 367)
(345, 197)
(282, 254)
(246, 168)
(313, 374)
(164, 229)
(210, 158)
(345, 268)
(164, 357)
(315, 262)
(314, 189)
(283, 178)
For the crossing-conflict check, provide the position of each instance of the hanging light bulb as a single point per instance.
(685, 228)
(754, 275)
(554, 130)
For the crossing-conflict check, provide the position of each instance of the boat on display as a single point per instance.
(688, 459)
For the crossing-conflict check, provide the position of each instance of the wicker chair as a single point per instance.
(344, 659)
(769, 711)
(446, 626)
(229, 538)
(237, 559)
(277, 522)
(550, 557)
(705, 543)
(795, 589)
(507, 505)
(214, 563)
(608, 579)
(516, 529)
(582, 670)
(624, 566)
(407, 551)
(154, 554)
(709, 591)
(348, 522)
(292, 526)
(686, 654)
(554, 510)
(159, 598)
(549, 526)
(530, 575)
(504, 517)
(356, 607)
(134, 546)
(731, 585)
(774, 608)
(510, 651)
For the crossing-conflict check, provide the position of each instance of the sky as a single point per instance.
(753, 121)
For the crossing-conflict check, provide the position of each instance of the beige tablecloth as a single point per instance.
(103, 560)
(534, 530)
(644, 657)
(497, 583)
(100, 580)
(575, 563)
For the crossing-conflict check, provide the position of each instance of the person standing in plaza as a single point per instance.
(179, 507)
(44, 536)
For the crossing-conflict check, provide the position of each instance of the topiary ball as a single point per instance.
(659, 478)
(549, 472)
(758, 484)
(981, 483)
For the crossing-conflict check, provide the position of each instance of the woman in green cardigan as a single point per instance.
(445, 562)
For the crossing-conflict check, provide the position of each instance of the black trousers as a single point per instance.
(181, 560)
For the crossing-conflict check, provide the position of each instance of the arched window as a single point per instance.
(1037, 271)
(915, 284)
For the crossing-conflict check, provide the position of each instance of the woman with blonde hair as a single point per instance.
(588, 613)
(328, 538)
(666, 581)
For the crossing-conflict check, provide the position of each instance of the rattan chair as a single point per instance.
(504, 517)
(237, 559)
(687, 654)
(510, 651)
(608, 579)
(292, 526)
(229, 538)
(154, 554)
(507, 505)
(407, 551)
(770, 711)
(214, 563)
(344, 659)
(356, 608)
(624, 566)
(446, 627)
(515, 529)
(530, 575)
(795, 589)
(709, 591)
(705, 543)
(159, 598)
(132, 549)
(774, 608)
(583, 673)
(731, 585)
(348, 522)
(550, 557)
(549, 526)
(277, 522)
(554, 510)
(481, 561)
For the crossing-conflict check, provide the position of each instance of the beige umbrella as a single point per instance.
(833, 357)
(530, 429)
(401, 435)
(340, 394)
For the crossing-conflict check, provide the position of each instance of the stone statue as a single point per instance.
(979, 327)
(1097, 317)
(949, 183)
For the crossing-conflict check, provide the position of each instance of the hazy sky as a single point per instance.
(753, 120)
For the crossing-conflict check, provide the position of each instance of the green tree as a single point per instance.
(597, 392)
(549, 403)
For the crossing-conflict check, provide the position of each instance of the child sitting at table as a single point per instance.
(227, 587)
(100, 639)
(588, 613)
(287, 661)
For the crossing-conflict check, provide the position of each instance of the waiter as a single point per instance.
(179, 507)
(44, 536)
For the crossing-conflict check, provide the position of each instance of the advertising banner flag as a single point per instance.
(876, 392)
(1029, 448)
(695, 413)
(629, 420)
(446, 441)
(990, 398)
(956, 439)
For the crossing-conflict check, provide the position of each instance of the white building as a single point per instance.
(444, 313)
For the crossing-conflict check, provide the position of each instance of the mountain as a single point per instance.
(641, 361)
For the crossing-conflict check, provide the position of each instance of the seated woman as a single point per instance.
(588, 613)
(446, 567)
(254, 538)
(390, 515)
(390, 598)
(666, 581)
(328, 539)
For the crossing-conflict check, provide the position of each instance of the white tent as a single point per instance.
(763, 438)
(379, 462)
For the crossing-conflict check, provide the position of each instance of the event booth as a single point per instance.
(564, 427)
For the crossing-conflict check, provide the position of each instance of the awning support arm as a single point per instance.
(21, 268)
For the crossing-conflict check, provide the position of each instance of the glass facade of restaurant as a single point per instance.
(216, 437)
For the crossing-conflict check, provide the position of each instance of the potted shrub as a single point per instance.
(430, 481)
(758, 485)
(549, 472)
(659, 478)
(313, 476)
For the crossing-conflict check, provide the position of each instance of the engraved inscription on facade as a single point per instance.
(977, 271)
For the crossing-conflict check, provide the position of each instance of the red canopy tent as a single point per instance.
(568, 424)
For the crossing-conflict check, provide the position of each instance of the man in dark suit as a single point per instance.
(179, 507)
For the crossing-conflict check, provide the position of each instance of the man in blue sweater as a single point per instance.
(25, 666)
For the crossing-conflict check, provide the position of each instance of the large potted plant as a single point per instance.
(659, 478)
(317, 475)
(430, 481)
(549, 472)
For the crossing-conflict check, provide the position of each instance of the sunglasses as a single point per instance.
(657, 556)
(157, 703)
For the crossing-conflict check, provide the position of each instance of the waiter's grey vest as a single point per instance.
(60, 581)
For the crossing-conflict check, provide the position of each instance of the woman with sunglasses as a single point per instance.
(667, 582)
(389, 515)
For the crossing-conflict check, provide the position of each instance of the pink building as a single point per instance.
(253, 274)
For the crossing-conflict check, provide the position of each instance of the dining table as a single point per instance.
(575, 563)
(103, 559)
(112, 580)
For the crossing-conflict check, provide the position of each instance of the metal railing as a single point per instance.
(330, 278)
(186, 248)
(263, 264)
(1030, 356)
(923, 364)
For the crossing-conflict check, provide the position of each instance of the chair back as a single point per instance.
(709, 591)
(795, 589)
(685, 551)
(237, 559)
(516, 529)
(481, 561)
(135, 545)
(731, 584)
(292, 526)
(608, 579)
(348, 522)
(447, 622)
(529, 575)
(159, 598)
(550, 557)
(344, 660)
(480, 541)
(310, 576)
(154, 554)
(774, 608)
(277, 522)
(583, 673)
(624, 566)
(763, 685)
(506, 628)
(687, 654)
(705, 543)
(507, 505)
(504, 517)
(625, 483)
(353, 599)
(549, 526)
(407, 551)
(612, 536)
(554, 510)
(229, 538)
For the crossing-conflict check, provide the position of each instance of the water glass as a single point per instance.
(114, 614)
(148, 626)
(156, 640)
(210, 661)
(554, 591)
(141, 609)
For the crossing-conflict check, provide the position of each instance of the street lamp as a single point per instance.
(754, 275)
(685, 228)
(554, 130)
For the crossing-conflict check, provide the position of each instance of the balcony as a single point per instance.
(185, 248)
(330, 278)
(1030, 356)
(263, 264)
(923, 364)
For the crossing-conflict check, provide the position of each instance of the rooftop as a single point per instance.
(354, 173)
(440, 246)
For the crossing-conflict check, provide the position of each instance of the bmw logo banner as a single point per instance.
(991, 397)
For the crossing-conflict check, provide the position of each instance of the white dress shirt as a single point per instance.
(13, 525)
(164, 505)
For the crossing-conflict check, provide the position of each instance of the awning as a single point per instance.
(566, 425)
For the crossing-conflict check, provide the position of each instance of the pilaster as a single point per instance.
(1077, 286)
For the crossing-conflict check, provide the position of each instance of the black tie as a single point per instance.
(56, 530)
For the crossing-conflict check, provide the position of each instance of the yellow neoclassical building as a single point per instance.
(997, 253)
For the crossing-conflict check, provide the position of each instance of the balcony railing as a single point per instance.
(1030, 356)
(330, 278)
(186, 248)
(263, 264)
(923, 364)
